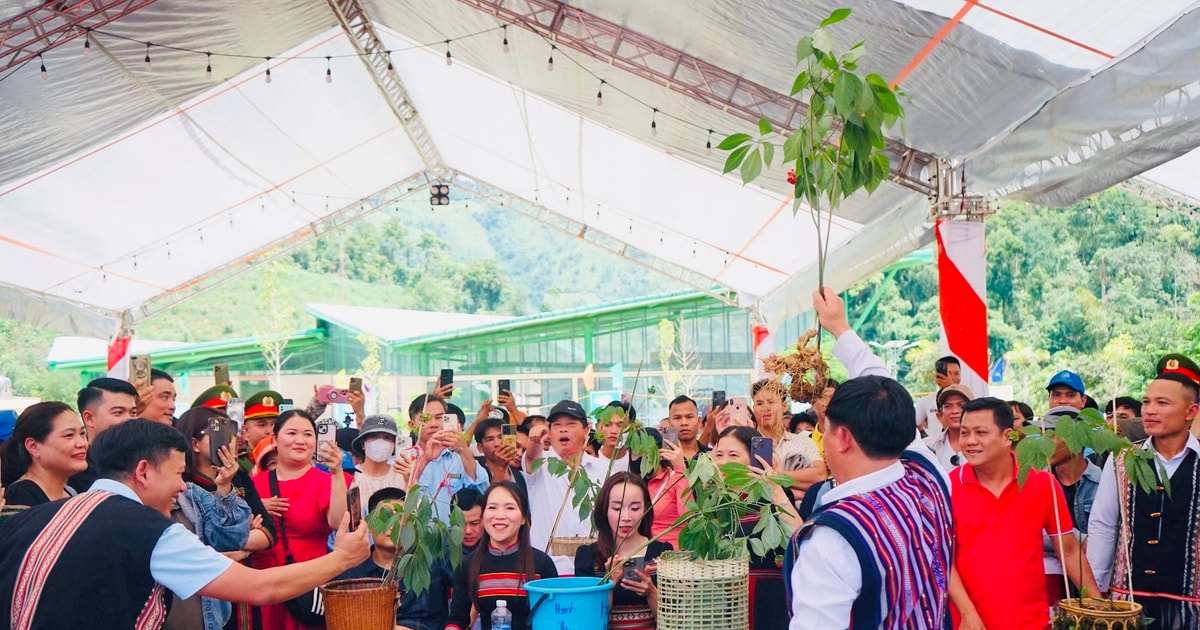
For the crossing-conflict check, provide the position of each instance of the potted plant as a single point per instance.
(421, 539)
(1034, 447)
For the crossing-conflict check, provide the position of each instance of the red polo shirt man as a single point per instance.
(998, 579)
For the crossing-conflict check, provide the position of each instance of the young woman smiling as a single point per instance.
(309, 504)
(48, 445)
(503, 563)
(623, 515)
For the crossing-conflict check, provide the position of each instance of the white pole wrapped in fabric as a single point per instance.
(962, 298)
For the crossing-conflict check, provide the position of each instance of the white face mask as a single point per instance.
(378, 450)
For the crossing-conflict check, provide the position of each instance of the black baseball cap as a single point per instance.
(568, 408)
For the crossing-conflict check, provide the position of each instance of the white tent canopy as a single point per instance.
(124, 189)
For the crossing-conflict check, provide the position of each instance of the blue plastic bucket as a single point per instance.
(569, 603)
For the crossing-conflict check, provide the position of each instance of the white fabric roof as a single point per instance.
(119, 186)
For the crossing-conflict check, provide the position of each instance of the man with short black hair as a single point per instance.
(684, 415)
(501, 462)
(883, 534)
(999, 578)
(947, 371)
(107, 556)
(1127, 408)
(1159, 557)
(470, 501)
(103, 404)
(158, 402)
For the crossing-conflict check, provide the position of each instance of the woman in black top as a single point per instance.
(504, 561)
(49, 444)
(623, 515)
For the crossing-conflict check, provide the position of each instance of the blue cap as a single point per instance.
(1068, 378)
(8, 421)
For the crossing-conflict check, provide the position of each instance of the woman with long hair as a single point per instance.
(312, 506)
(49, 444)
(768, 597)
(623, 515)
(502, 563)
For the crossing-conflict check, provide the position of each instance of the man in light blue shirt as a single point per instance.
(121, 529)
(445, 464)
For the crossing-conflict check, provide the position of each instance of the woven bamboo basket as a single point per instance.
(1104, 615)
(359, 604)
(709, 594)
(567, 545)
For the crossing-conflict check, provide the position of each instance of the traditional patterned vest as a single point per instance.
(902, 536)
(82, 562)
(1164, 538)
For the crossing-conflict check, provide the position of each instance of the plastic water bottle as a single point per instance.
(501, 617)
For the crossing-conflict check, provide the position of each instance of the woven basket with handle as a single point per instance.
(708, 594)
(359, 604)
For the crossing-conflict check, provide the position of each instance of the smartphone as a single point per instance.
(508, 435)
(629, 571)
(761, 447)
(221, 374)
(330, 395)
(738, 403)
(139, 372)
(219, 434)
(287, 404)
(326, 432)
(446, 378)
(356, 384)
(505, 385)
(718, 399)
(404, 444)
(670, 434)
(235, 408)
(354, 506)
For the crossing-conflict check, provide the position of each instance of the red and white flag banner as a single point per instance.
(118, 358)
(763, 348)
(962, 298)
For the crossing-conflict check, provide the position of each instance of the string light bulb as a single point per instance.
(45, 75)
(391, 70)
(654, 122)
(146, 61)
(328, 69)
(449, 59)
(505, 38)
(208, 68)
(267, 74)
(550, 62)
(708, 143)
(600, 93)
(87, 42)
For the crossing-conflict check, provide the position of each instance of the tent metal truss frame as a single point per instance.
(360, 30)
(44, 28)
(340, 219)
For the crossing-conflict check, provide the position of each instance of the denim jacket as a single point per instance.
(223, 523)
(1085, 494)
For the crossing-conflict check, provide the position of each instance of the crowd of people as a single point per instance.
(117, 514)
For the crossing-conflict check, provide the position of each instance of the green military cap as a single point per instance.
(1179, 364)
(215, 397)
(264, 404)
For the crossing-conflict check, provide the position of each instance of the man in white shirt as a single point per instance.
(946, 448)
(552, 512)
(946, 371)
(835, 566)
(1162, 535)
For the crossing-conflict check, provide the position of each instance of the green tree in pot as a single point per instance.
(1035, 446)
(421, 540)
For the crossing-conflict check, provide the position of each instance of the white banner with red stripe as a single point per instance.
(962, 298)
(118, 358)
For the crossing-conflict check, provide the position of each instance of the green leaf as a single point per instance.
(735, 159)
(408, 536)
(804, 48)
(752, 166)
(823, 42)
(846, 91)
(768, 153)
(854, 53)
(837, 16)
(884, 94)
(800, 84)
(764, 127)
(733, 141)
